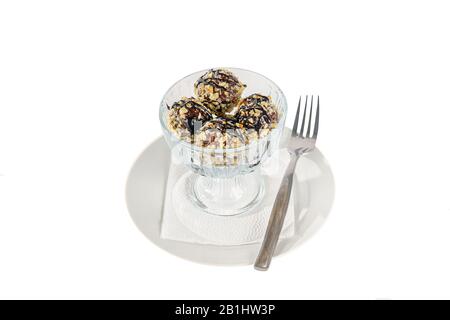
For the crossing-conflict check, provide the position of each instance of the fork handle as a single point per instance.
(277, 216)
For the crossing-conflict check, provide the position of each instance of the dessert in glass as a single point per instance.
(223, 124)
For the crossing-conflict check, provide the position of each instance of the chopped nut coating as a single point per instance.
(221, 86)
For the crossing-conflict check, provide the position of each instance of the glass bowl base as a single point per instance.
(223, 196)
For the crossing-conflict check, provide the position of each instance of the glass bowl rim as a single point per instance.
(221, 150)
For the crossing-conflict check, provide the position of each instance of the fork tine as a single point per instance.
(294, 129)
(302, 128)
(316, 122)
(308, 132)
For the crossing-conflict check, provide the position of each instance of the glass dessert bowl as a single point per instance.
(223, 124)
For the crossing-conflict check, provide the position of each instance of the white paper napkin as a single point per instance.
(183, 221)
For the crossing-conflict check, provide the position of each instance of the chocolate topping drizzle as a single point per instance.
(196, 114)
(218, 77)
(251, 103)
(225, 126)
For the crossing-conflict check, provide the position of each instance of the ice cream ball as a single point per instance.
(187, 115)
(221, 86)
(257, 112)
(220, 133)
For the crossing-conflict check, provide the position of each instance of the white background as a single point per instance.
(80, 84)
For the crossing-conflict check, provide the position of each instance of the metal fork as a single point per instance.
(300, 142)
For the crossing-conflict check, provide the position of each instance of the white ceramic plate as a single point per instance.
(146, 186)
